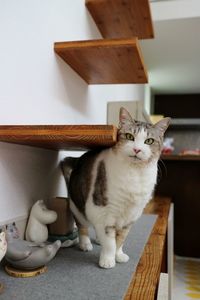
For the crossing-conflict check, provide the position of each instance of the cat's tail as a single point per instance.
(67, 165)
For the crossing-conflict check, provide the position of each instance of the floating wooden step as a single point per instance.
(122, 18)
(105, 61)
(60, 137)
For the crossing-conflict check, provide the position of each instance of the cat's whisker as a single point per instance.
(163, 164)
(159, 177)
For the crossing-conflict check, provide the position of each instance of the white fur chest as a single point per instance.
(129, 188)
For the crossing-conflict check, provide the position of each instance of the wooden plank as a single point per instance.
(105, 61)
(122, 18)
(60, 137)
(145, 280)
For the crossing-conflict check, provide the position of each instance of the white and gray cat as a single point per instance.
(109, 188)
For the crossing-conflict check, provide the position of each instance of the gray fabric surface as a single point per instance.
(75, 275)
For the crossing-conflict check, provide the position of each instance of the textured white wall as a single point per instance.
(175, 9)
(37, 87)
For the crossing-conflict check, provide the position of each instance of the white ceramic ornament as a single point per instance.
(40, 216)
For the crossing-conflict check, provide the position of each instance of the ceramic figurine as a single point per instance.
(12, 228)
(3, 245)
(28, 255)
(40, 215)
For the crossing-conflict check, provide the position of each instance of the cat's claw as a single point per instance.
(122, 258)
(107, 262)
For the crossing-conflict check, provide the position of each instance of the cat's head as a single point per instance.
(139, 141)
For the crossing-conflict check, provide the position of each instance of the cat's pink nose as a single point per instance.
(136, 150)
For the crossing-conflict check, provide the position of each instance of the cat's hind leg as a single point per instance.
(120, 238)
(82, 224)
(84, 239)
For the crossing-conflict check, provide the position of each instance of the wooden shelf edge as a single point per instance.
(145, 280)
(95, 43)
(105, 61)
(116, 18)
(60, 137)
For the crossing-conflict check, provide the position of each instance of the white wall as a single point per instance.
(37, 87)
(175, 9)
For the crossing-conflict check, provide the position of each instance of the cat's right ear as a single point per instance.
(162, 125)
(124, 117)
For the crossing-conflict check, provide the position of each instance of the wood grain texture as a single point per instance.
(60, 137)
(122, 18)
(25, 273)
(105, 61)
(146, 278)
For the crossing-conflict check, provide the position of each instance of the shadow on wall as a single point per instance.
(24, 173)
(71, 88)
(55, 184)
(75, 88)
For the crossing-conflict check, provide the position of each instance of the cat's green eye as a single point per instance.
(129, 136)
(149, 141)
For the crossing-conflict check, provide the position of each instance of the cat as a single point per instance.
(109, 188)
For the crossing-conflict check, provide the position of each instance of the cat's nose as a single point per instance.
(136, 150)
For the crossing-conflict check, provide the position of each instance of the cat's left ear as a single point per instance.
(124, 117)
(162, 125)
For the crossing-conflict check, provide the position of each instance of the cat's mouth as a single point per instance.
(135, 157)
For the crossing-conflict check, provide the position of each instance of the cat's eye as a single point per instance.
(129, 136)
(149, 141)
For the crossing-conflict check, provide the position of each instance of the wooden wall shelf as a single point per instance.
(60, 137)
(122, 18)
(105, 61)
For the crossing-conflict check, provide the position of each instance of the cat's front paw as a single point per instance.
(85, 243)
(106, 262)
(86, 246)
(122, 257)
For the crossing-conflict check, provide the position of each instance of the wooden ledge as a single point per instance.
(105, 61)
(122, 18)
(145, 280)
(60, 137)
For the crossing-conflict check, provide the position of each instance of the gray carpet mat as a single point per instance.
(75, 275)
